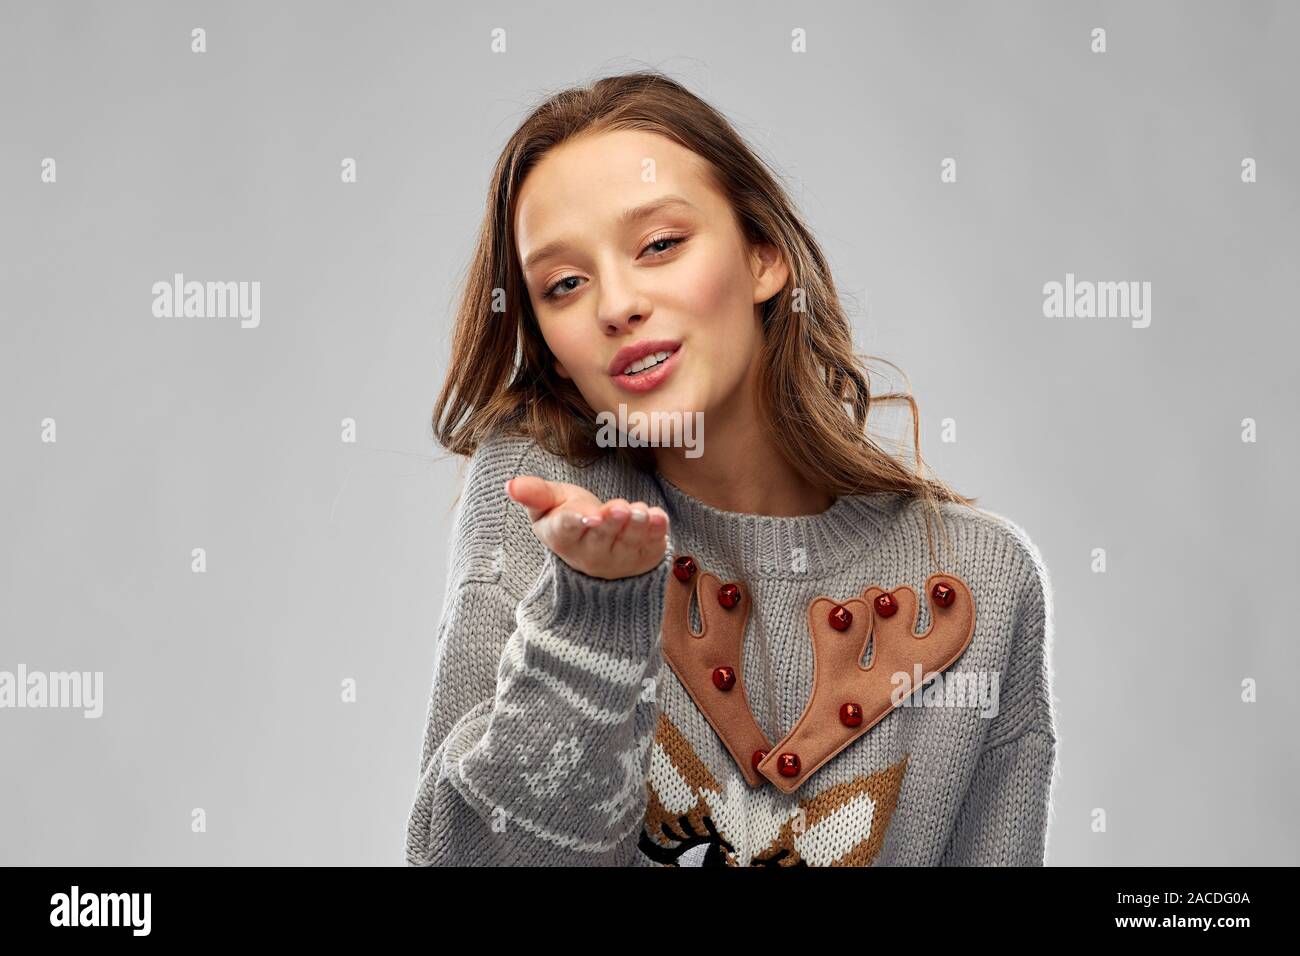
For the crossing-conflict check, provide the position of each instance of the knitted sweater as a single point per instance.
(580, 721)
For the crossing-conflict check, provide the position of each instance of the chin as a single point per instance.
(671, 402)
(666, 404)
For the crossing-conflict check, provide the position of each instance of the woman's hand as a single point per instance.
(610, 540)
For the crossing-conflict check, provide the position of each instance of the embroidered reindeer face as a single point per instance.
(692, 821)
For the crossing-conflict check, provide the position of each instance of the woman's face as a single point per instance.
(624, 242)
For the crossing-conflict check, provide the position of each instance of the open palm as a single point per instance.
(610, 540)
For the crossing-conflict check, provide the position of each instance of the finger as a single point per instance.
(597, 525)
(535, 494)
(617, 510)
(654, 539)
(634, 535)
(598, 542)
(658, 519)
(616, 513)
(562, 529)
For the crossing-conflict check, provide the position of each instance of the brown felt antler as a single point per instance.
(709, 663)
(847, 699)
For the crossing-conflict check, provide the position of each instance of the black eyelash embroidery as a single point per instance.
(687, 839)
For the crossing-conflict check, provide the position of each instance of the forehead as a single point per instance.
(590, 180)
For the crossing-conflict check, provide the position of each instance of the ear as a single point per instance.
(561, 370)
(770, 270)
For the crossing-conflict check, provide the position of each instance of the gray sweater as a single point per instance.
(578, 721)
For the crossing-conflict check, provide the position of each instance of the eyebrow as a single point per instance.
(627, 216)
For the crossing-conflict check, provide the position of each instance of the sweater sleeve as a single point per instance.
(1003, 818)
(545, 763)
(1004, 815)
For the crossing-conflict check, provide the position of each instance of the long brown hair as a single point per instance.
(815, 390)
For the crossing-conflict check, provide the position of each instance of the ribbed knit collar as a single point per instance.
(780, 547)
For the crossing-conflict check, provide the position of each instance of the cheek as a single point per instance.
(711, 291)
(713, 296)
(566, 346)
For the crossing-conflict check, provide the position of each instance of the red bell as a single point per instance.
(886, 606)
(758, 758)
(840, 617)
(729, 595)
(943, 594)
(724, 678)
(684, 568)
(788, 765)
(851, 715)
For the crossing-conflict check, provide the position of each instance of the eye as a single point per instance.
(693, 848)
(553, 291)
(662, 239)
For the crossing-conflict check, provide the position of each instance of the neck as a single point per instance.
(741, 471)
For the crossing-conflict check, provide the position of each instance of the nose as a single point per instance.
(621, 305)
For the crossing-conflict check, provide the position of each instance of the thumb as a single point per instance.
(535, 494)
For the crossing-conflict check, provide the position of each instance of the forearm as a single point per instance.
(549, 769)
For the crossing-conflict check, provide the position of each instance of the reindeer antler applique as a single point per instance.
(708, 663)
(847, 699)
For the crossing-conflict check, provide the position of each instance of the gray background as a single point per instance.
(326, 560)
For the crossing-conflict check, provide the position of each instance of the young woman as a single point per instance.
(738, 645)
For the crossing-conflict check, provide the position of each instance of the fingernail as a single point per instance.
(509, 491)
(638, 516)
